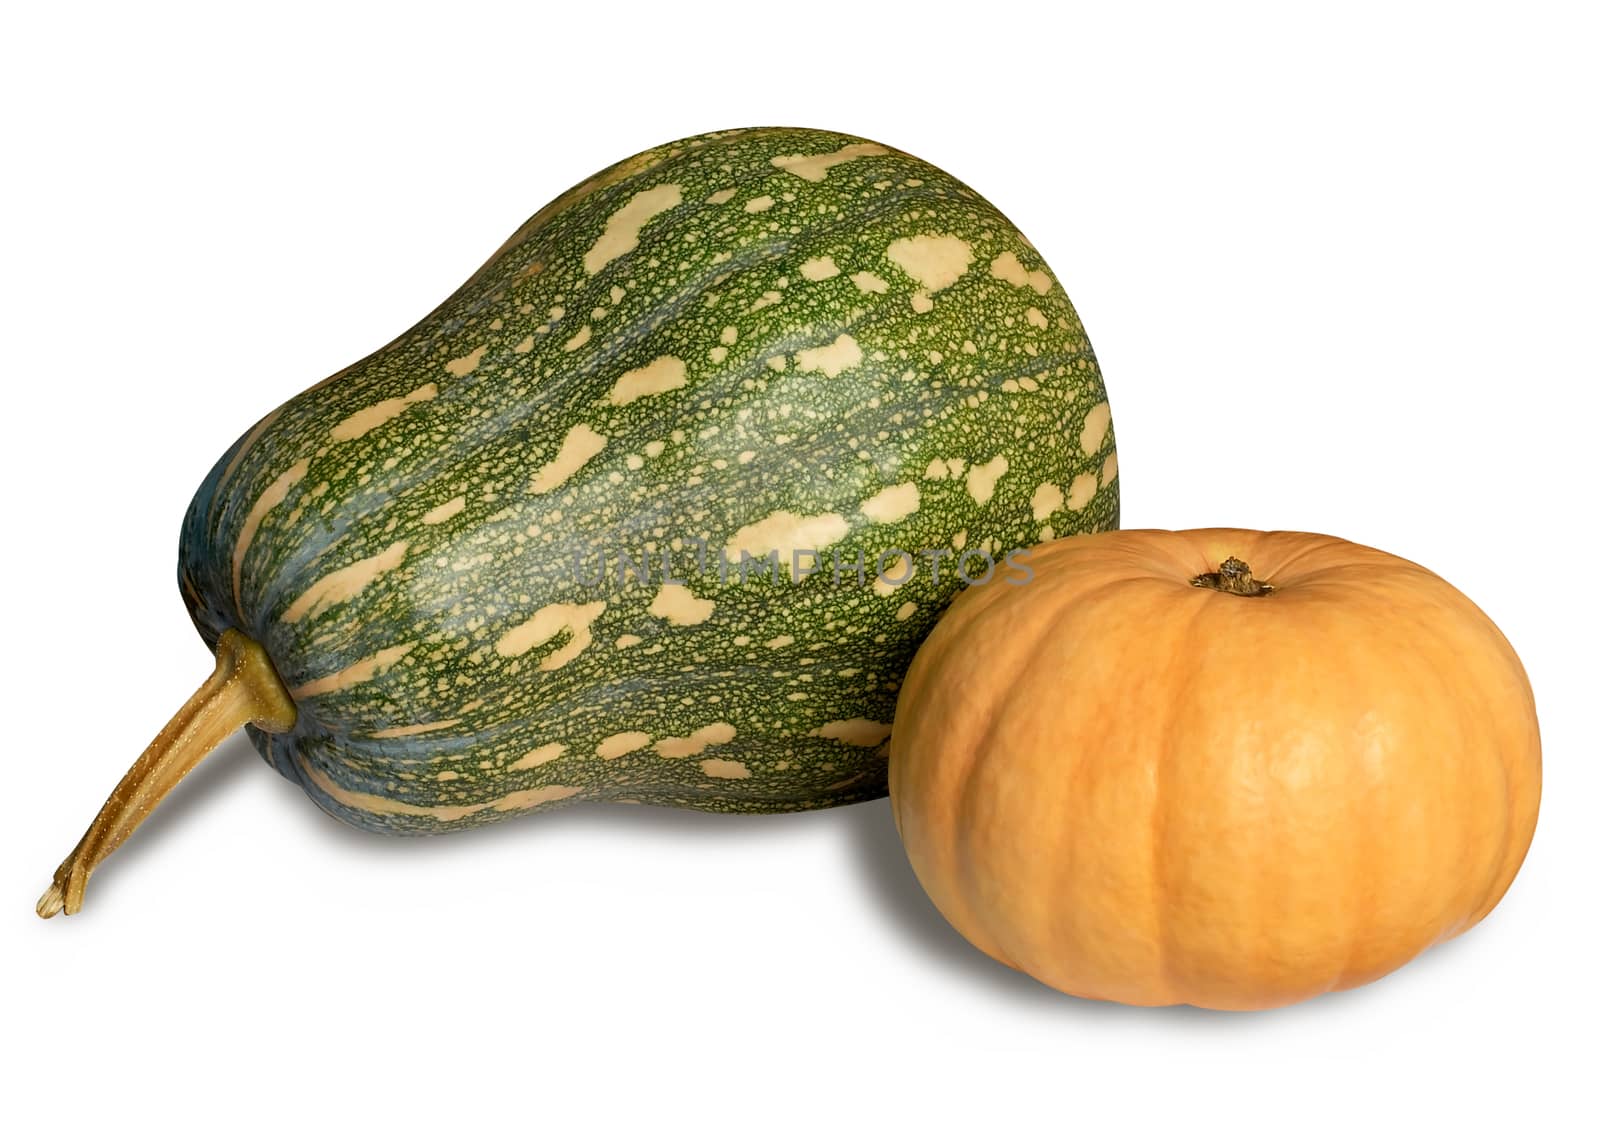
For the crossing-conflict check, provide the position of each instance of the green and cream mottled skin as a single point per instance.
(763, 339)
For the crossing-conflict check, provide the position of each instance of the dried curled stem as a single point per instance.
(244, 689)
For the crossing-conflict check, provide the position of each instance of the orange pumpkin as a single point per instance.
(1143, 773)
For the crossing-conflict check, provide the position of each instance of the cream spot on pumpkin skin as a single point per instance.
(538, 756)
(982, 479)
(830, 359)
(1037, 318)
(720, 197)
(869, 282)
(723, 768)
(578, 339)
(369, 418)
(449, 508)
(621, 233)
(415, 728)
(785, 533)
(759, 203)
(524, 346)
(854, 732)
(625, 742)
(389, 806)
(628, 640)
(678, 606)
(659, 376)
(1108, 469)
(905, 612)
(1007, 268)
(893, 577)
(358, 673)
(578, 448)
(545, 625)
(1046, 501)
(934, 261)
(1095, 425)
(467, 364)
(780, 642)
(892, 504)
(532, 798)
(818, 269)
(344, 584)
(714, 734)
(815, 168)
(1081, 491)
(273, 495)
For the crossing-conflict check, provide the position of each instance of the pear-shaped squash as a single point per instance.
(500, 564)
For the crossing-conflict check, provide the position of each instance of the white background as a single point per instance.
(1339, 265)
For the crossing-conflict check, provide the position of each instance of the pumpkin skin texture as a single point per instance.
(1135, 789)
(413, 574)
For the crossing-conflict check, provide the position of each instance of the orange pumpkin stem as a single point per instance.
(1232, 577)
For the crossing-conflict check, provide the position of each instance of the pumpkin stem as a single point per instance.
(243, 689)
(1232, 577)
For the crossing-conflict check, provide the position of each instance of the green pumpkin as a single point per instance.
(739, 343)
